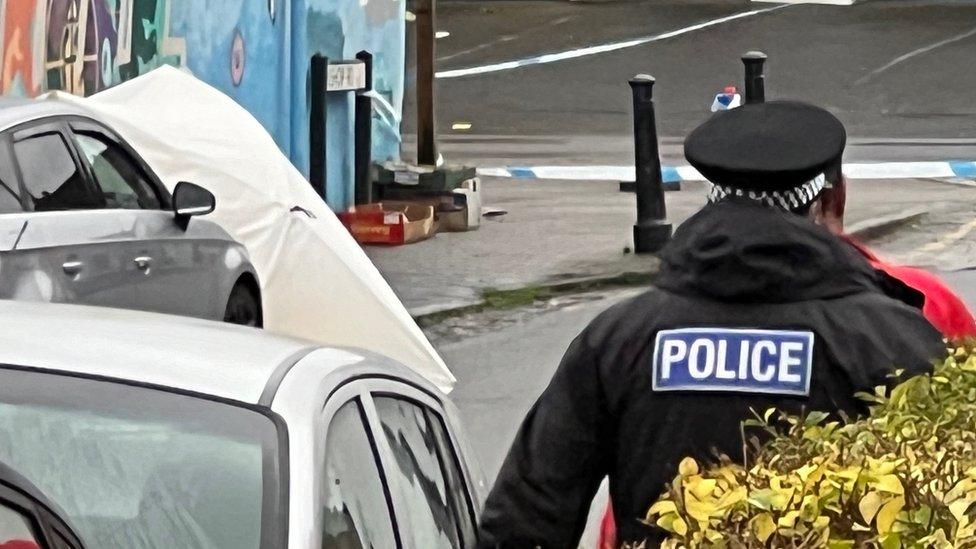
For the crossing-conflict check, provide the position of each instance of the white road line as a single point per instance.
(479, 47)
(593, 50)
(911, 54)
(502, 40)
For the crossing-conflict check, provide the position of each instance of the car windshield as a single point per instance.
(137, 467)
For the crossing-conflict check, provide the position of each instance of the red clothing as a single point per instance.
(19, 544)
(943, 308)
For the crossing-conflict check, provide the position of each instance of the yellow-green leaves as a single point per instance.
(888, 483)
(764, 526)
(679, 526)
(869, 506)
(888, 513)
(903, 477)
(688, 467)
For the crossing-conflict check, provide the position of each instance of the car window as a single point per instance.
(116, 173)
(61, 542)
(9, 188)
(457, 487)
(143, 468)
(51, 177)
(15, 529)
(432, 509)
(355, 508)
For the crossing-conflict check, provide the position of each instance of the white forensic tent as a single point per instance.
(316, 281)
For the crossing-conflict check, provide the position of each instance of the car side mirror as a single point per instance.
(190, 199)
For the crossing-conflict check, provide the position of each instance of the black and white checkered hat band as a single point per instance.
(792, 199)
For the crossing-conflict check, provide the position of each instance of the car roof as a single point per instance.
(14, 111)
(187, 354)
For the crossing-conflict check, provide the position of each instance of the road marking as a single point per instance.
(914, 53)
(479, 47)
(503, 39)
(593, 50)
(949, 239)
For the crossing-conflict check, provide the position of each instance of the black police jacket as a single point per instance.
(734, 265)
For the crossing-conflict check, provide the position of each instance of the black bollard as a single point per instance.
(318, 81)
(364, 133)
(755, 88)
(425, 10)
(652, 230)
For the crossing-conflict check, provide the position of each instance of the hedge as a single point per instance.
(903, 476)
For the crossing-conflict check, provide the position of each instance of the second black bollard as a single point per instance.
(652, 230)
(318, 83)
(364, 134)
(755, 85)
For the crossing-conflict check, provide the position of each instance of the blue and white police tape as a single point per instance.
(677, 174)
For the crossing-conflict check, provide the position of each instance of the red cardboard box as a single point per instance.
(392, 224)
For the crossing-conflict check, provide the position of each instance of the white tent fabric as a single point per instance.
(316, 281)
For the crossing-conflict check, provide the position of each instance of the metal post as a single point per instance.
(318, 76)
(652, 230)
(364, 133)
(755, 88)
(426, 148)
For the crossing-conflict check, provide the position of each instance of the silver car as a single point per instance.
(83, 219)
(154, 431)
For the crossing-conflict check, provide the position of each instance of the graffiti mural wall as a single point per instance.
(82, 46)
(256, 51)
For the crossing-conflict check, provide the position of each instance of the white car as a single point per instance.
(152, 431)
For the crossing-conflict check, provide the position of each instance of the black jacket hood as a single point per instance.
(741, 251)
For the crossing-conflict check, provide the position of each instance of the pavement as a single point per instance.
(560, 231)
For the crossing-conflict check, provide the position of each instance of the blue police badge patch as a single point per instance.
(743, 361)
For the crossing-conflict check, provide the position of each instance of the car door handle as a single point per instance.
(143, 262)
(72, 267)
(303, 210)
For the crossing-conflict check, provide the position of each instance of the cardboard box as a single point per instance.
(450, 214)
(390, 224)
(470, 191)
(453, 221)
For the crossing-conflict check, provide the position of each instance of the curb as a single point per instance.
(496, 300)
(678, 174)
(493, 299)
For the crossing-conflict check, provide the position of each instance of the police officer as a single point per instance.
(755, 306)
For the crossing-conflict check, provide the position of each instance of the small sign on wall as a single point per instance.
(346, 76)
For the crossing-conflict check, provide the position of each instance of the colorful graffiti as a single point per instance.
(82, 46)
(255, 51)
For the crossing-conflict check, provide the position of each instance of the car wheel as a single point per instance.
(243, 307)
